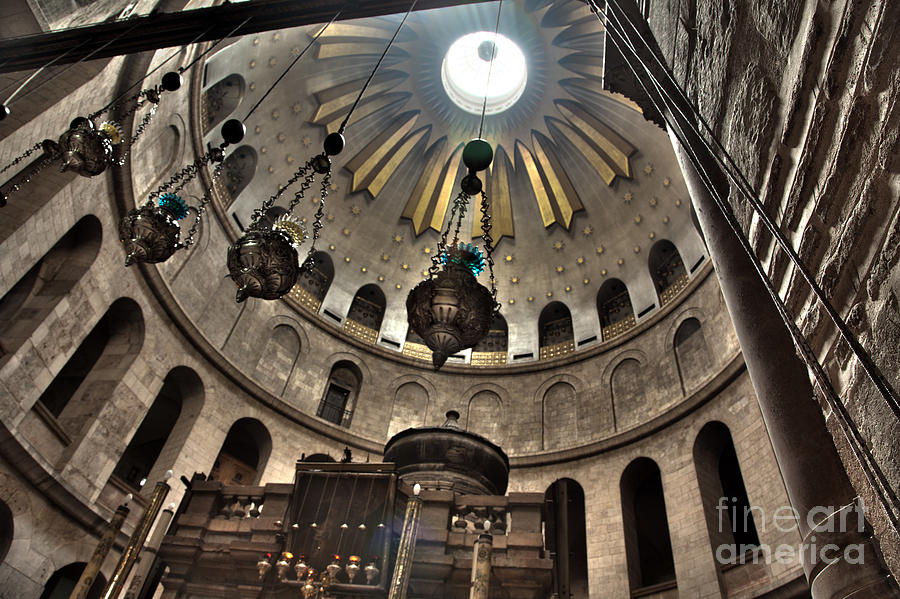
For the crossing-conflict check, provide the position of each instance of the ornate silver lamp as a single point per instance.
(450, 310)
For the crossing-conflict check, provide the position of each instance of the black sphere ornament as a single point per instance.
(233, 131)
(334, 143)
(4, 111)
(171, 81)
(471, 184)
(79, 122)
(321, 164)
(477, 155)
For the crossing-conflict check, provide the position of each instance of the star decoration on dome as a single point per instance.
(667, 181)
(514, 280)
(559, 245)
(588, 231)
(355, 210)
(404, 266)
(560, 269)
(385, 257)
(508, 258)
(579, 260)
(648, 169)
(599, 250)
(628, 197)
(397, 238)
(306, 141)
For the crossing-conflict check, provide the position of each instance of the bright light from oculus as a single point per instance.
(464, 72)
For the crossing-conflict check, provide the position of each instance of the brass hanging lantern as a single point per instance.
(450, 310)
(152, 233)
(264, 262)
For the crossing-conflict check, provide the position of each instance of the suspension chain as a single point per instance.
(22, 157)
(181, 178)
(320, 211)
(300, 173)
(44, 163)
(486, 227)
(201, 208)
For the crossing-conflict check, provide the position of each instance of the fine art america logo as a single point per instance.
(742, 522)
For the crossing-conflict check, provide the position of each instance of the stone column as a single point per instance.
(89, 575)
(136, 542)
(407, 546)
(818, 486)
(143, 567)
(481, 564)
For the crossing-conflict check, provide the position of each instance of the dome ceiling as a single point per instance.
(581, 185)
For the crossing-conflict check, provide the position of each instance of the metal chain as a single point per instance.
(181, 178)
(138, 132)
(461, 200)
(307, 183)
(22, 157)
(320, 211)
(301, 172)
(4, 196)
(486, 227)
(201, 208)
(133, 98)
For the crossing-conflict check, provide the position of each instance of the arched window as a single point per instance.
(566, 538)
(7, 527)
(691, 354)
(555, 334)
(244, 453)
(648, 547)
(79, 390)
(238, 169)
(492, 349)
(314, 281)
(63, 581)
(366, 313)
(341, 393)
(221, 99)
(615, 309)
(33, 297)
(277, 360)
(155, 445)
(729, 517)
(667, 270)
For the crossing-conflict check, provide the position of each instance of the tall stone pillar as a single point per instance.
(481, 565)
(818, 486)
(89, 575)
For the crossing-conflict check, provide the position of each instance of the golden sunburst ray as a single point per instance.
(336, 101)
(498, 191)
(376, 162)
(602, 137)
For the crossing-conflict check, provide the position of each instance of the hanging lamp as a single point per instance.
(263, 262)
(450, 310)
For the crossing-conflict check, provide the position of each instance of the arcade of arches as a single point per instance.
(644, 389)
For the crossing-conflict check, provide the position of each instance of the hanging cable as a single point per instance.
(4, 107)
(868, 464)
(375, 70)
(733, 171)
(487, 83)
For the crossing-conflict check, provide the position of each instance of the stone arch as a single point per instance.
(719, 477)
(238, 170)
(155, 445)
(625, 391)
(648, 545)
(495, 343)
(667, 270)
(566, 530)
(692, 355)
(409, 407)
(556, 335)
(341, 393)
(485, 414)
(221, 100)
(85, 383)
(28, 303)
(315, 279)
(7, 529)
(244, 453)
(161, 155)
(559, 416)
(278, 358)
(62, 582)
(614, 309)
(366, 313)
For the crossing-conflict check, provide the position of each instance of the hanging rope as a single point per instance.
(855, 441)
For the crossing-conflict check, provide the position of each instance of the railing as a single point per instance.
(305, 299)
(417, 351)
(557, 349)
(333, 413)
(360, 331)
(617, 328)
(488, 358)
(669, 293)
(237, 506)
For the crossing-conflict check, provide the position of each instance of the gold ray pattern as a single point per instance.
(369, 165)
(532, 158)
(498, 192)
